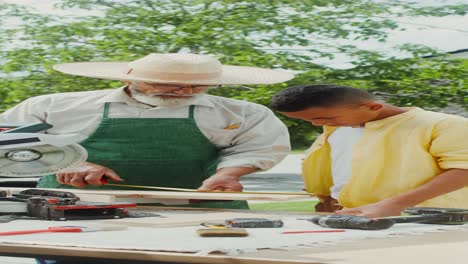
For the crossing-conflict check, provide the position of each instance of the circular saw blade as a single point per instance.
(40, 160)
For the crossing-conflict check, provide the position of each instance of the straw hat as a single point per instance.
(176, 68)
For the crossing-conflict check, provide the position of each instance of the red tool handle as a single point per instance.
(314, 231)
(49, 230)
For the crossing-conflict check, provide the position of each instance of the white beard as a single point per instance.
(156, 100)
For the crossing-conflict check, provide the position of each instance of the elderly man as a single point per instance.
(161, 129)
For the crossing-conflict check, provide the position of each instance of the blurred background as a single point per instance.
(409, 53)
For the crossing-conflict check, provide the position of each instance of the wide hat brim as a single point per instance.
(230, 74)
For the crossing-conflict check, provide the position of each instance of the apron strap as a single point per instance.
(105, 114)
(191, 111)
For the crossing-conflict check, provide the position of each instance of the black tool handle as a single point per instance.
(414, 218)
(448, 218)
(351, 222)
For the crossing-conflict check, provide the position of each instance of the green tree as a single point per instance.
(259, 33)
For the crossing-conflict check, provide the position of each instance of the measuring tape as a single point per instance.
(193, 190)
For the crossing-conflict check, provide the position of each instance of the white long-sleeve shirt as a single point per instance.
(261, 140)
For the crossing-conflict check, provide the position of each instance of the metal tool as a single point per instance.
(235, 227)
(246, 223)
(36, 154)
(433, 215)
(253, 223)
(351, 222)
(423, 215)
(314, 231)
(61, 206)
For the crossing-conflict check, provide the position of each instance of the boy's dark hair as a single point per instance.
(301, 97)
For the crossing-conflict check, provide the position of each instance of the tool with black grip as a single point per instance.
(351, 222)
(433, 215)
(423, 215)
(58, 205)
(253, 223)
(234, 227)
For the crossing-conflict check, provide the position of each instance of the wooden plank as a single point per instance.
(177, 195)
(428, 254)
(34, 250)
(441, 241)
(87, 197)
(343, 252)
(334, 254)
(169, 208)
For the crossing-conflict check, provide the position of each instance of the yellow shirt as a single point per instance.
(395, 155)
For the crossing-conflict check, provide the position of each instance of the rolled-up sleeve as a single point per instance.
(28, 111)
(449, 145)
(262, 142)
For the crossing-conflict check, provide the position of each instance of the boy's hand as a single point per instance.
(380, 209)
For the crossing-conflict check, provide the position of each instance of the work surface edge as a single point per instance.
(171, 194)
(274, 256)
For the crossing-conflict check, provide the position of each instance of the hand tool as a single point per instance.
(58, 205)
(351, 222)
(253, 223)
(223, 232)
(433, 215)
(64, 229)
(246, 223)
(423, 215)
(313, 231)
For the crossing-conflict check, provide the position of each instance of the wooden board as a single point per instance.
(385, 248)
(121, 195)
(449, 246)
(428, 248)
(128, 255)
(427, 254)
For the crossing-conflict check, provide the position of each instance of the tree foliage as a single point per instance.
(264, 33)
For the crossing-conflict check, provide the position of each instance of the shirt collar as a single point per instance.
(391, 119)
(203, 100)
(116, 96)
(382, 122)
(120, 96)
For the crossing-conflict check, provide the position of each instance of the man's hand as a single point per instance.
(380, 209)
(220, 182)
(226, 179)
(87, 173)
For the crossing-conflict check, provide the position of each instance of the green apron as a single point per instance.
(164, 152)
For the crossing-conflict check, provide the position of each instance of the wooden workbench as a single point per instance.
(422, 248)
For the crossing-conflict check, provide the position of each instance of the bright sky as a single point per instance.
(444, 33)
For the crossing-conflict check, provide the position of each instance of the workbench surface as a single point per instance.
(410, 243)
